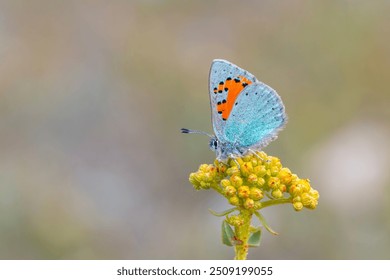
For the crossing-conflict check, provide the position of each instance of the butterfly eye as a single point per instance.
(213, 144)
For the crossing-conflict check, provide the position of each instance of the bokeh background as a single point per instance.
(93, 95)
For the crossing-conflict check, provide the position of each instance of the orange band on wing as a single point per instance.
(233, 87)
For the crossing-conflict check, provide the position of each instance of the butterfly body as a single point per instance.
(246, 113)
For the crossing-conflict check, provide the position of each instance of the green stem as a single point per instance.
(275, 202)
(242, 235)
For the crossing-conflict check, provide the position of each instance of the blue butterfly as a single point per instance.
(246, 113)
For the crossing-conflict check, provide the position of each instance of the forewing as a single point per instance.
(257, 116)
(222, 85)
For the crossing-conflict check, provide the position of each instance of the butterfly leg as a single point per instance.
(256, 155)
(233, 157)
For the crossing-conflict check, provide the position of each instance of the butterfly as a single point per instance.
(246, 114)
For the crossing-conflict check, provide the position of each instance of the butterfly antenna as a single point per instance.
(186, 130)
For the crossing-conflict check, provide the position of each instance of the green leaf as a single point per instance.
(255, 238)
(224, 213)
(227, 234)
(264, 222)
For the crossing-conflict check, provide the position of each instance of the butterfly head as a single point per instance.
(222, 150)
(214, 144)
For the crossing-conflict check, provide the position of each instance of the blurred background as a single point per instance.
(93, 95)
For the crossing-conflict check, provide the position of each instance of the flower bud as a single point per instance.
(314, 194)
(247, 157)
(298, 206)
(234, 200)
(313, 204)
(252, 178)
(236, 180)
(207, 177)
(230, 190)
(309, 201)
(235, 220)
(225, 182)
(295, 190)
(256, 194)
(222, 169)
(246, 169)
(203, 167)
(285, 175)
(257, 205)
(306, 199)
(275, 162)
(296, 199)
(194, 180)
(273, 182)
(277, 193)
(233, 170)
(260, 171)
(205, 185)
(243, 192)
(260, 182)
(255, 162)
(274, 170)
(304, 185)
(249, 203)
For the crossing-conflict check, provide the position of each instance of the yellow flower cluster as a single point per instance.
(259, 181)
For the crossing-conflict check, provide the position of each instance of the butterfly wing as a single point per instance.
(226, 81)
(257, 116)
